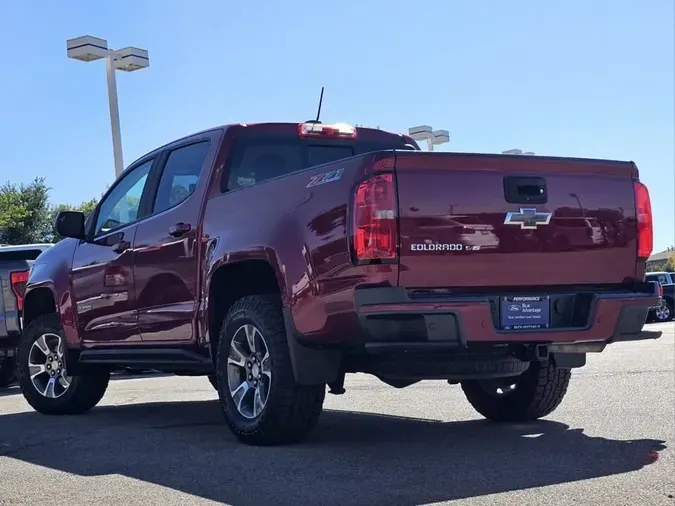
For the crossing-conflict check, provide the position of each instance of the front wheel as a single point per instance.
(262, 403)
(7, 371)
(43, 372)
(532, 395)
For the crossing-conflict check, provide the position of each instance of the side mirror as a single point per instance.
(70, 224)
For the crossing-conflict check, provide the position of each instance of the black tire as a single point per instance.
(292, 410)
(537, 393)
(213, 379)
(7, 371)
(85, 391)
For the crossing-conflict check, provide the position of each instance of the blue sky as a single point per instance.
(572, 78)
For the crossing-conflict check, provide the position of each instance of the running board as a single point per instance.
(165, 360)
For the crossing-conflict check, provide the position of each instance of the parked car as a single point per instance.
(662, 278)
(664, 311)
(275, 258)
(579, 232)
(15, 262)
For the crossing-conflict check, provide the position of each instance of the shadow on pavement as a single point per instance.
(12, 389)
(125, 375)
(352, 458)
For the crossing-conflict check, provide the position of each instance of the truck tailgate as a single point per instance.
(498, 220)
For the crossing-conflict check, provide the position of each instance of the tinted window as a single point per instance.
(258, 160)
(180, 175)
(26, 254)
(661, 278)
(122, 204)
(318, 155)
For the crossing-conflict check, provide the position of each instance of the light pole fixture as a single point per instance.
(517, 152)
(128, 59)
(426, 133)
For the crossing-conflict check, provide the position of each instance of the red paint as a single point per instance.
(158, 289)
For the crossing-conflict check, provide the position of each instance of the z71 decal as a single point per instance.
(326, 177)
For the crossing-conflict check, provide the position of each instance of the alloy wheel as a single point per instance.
(663, 311)
(249, 373)
(47, 366)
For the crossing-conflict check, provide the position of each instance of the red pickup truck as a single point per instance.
(276, 258)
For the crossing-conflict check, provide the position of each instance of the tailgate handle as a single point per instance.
(525, 190)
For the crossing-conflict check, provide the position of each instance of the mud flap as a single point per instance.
(311, 366)
(569, 360)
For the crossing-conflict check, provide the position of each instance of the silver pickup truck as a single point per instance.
(15, 263)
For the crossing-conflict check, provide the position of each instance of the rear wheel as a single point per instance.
(664, 313)
(534, 394)
(43, 374)
(262, 403)
(7, 371)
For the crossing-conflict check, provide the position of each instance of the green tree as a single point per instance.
(24, 212)
(670, 264)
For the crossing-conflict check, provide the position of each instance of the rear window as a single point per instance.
(256, 160)
(26, 254)
(661, 278)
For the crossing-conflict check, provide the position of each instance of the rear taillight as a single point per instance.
(660, 290)
(375, 219)
(18, 280)
(645, 225)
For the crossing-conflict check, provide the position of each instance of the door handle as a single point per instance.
(180, 229)
(121, 246)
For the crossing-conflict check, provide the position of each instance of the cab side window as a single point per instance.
(180, 175)
(259, 161)
(121, 206)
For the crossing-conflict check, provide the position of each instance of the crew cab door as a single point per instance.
(102, 273)
(167, 242)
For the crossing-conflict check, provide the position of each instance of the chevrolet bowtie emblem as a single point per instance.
(528, 218)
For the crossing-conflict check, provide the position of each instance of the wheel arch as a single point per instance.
(38, 301)
(231, 281)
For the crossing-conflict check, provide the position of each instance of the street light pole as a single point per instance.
(128, 59)
(114, 113)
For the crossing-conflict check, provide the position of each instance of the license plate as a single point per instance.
(524, 312)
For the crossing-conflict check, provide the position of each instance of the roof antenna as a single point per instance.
(318, 113)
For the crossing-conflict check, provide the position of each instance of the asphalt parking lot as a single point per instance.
(161, 440)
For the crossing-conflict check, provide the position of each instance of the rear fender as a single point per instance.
(310, 366)
(35, 306)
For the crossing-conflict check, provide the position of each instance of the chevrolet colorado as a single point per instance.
(15, 262)
(277, 257)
